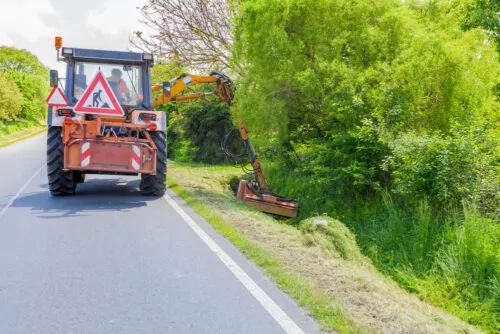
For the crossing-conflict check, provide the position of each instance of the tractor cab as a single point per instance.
(127, 73)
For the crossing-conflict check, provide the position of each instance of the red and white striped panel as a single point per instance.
(85, 157)
(136, 158)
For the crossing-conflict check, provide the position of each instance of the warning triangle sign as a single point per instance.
(56, 98)
(99, 99)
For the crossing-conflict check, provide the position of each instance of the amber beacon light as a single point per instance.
(58, 42)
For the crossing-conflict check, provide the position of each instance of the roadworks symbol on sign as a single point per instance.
(99, 99)
(56, 98)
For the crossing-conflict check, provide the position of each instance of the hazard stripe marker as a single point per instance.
(136, 157)
(85, 157)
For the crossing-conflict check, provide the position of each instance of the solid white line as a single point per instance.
(274, 310)
(13, 198)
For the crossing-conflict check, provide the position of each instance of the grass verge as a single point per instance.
(321, 267)
(12, 132)
(318, 304)
(449, 258)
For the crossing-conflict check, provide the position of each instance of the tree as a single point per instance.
(30, 76)
(484, 14)
(196, 32)
(338, 83)
(11, 99)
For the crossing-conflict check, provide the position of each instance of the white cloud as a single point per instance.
(96, 24)
(119, 15)
(23, 18)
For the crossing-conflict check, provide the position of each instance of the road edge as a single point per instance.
(329, 317)
(286, 323)
(36, 130)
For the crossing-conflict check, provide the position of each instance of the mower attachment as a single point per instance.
(266, 202)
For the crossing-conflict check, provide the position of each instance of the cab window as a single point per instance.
(124, 80)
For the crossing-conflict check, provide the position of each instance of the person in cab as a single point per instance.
(119, 86)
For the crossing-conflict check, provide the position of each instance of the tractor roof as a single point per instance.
(107, 56)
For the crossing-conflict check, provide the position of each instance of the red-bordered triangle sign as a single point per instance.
(57, 98)
(99, 99)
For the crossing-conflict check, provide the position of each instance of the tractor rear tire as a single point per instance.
(154, 185)
(61, 182)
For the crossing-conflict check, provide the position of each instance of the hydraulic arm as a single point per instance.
(256, 193)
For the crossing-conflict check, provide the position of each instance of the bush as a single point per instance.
(11, 99)
(196, 129)
(205, 124)
(441, 168)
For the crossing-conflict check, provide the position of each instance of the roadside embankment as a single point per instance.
(317, 262)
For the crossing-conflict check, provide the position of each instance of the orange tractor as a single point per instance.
(105, 123)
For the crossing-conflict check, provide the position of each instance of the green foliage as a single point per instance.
(10, 99)
(205, 124)
(31, 78)
(338, 83)
(384, 115)
(444, 168)
(164, 72)
(484, 14)
(470, 263)
(178, 147)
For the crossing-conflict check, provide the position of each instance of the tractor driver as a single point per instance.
(119, 86)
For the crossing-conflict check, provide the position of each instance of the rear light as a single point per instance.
(153, 127)
(147, 117)
(66, 112)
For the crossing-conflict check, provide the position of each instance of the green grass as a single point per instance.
(451, 260)
(318, 304)
(14, 131)
(453, 264)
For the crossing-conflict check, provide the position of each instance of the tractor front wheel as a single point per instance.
(61, 182)
(154, 185)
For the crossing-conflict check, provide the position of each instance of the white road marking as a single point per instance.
(13, 198)
(288, 325)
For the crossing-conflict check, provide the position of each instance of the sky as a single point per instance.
(93, 24)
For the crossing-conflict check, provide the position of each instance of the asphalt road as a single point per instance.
(109, 260)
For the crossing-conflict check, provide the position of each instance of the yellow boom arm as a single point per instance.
(171, 90)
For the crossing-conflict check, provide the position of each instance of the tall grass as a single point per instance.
(450, 258)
